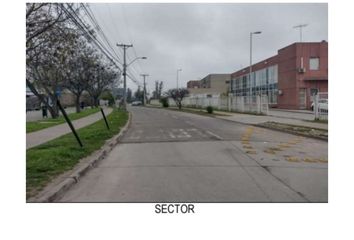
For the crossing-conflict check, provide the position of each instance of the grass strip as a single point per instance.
(48, 160)
(45, 123)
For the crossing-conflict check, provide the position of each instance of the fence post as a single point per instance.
(258, 101)
(315, 107)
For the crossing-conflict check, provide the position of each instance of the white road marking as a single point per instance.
(171, 135)
(184, 133)
(196, 131)
(213, 134)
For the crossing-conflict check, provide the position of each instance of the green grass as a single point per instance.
(318, 121)
(45, 123)
(46, 161)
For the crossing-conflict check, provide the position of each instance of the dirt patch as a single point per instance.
(300, 130)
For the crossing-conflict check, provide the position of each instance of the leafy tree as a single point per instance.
(107, 95)
(177, 95)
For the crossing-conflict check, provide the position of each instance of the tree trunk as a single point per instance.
(53, 110)
(95, 101)
(77, 103)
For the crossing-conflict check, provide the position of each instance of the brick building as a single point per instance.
(193, 84)
(289, 78)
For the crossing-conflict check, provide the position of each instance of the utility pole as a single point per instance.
(300, 26)
(125, 47)
(144, 90)
(178, 70)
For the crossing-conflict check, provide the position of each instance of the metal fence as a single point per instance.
(320, 106)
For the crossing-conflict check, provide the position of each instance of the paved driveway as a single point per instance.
(170, 156)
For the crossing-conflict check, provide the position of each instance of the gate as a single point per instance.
(320, 107)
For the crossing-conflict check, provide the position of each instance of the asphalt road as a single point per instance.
(170, 156)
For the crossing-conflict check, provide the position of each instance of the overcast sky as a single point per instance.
(204, 38)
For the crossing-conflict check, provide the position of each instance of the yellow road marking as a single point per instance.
(247, 146)
(292, 159)
(309, 160)
(251, 152)
(269, 151)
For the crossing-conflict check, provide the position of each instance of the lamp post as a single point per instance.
(250, 73)
(178, 70)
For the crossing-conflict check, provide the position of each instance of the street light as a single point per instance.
(125, 65)
(178, 70)
(250, 73)
(136, 59)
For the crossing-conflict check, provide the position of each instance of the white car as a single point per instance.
(322, 105)
(137, 103)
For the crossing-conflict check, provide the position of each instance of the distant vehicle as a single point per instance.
(32, 103)
(137, 103)
(322, 105)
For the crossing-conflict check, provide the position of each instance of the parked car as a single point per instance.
(322, 105)
(32, 103)
(137, 103)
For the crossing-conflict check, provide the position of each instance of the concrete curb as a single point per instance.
(56, 189)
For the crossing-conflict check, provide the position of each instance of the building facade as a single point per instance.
(193, 84)
(212, 83)
(289, 79)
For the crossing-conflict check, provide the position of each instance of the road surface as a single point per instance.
(170, 156)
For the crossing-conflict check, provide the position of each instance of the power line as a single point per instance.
(81, 25)
(129, 33)
(94, 21)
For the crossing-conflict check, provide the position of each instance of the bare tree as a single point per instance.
(177, 95)
(48, 66)
(81, 70)
(40, 18)
(103, 78)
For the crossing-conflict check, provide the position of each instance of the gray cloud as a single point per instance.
(205, 38)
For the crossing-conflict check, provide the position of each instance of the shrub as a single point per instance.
(209, 109)
(164, 102)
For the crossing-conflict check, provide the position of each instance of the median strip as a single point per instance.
(49, 160)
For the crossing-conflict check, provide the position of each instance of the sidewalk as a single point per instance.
(283, 117)
(36, 138)
(256, 119)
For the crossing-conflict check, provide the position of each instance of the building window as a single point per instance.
(314, 63)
